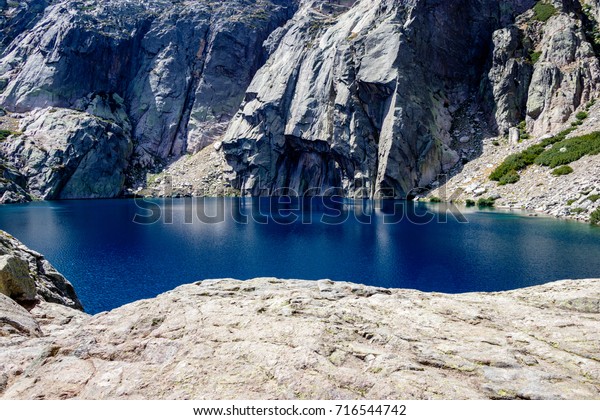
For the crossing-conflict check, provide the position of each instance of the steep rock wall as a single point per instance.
(364, 102)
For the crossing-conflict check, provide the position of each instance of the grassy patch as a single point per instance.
(4, 134)
(581, 115)
(590, 104)
(523, 134)
(543, 11)
(569, 202)
(577, 210)
(516, 162)
(593, 198)
(595, 217)
(527, 157)
(534, 56)
(563, 170)
(486, 202)
(570, 150)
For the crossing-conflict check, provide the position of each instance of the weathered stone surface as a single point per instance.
(13, 185)
(509, 77)
(14, 319)
(270, 338)
(28, 278)
(17, 17)
(15, 281)
(566, 76)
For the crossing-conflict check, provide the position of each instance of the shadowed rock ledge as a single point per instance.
(269, 338)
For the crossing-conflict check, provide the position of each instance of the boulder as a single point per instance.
(15, 280)
(514, 136)
(28, 278)
(67, 154)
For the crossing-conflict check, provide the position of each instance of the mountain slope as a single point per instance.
(361, 98)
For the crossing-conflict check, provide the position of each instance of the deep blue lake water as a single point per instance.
(113, 260)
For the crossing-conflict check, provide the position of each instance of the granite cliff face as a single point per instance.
(365, 101)
(169, 74)
(383, 99)
(364, 98)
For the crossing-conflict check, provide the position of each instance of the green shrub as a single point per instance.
(595, 217)
(590, 104)
(486, 202)
(594, 198)
(569, 202)
(4, 134)
(577, 210)
(516, 162)
(570, 150)
(543, 11)
(534, 56)
(581, 115)
(527, 157)
(435, 200)
(469, 203)
(512, 177)
(563, 170)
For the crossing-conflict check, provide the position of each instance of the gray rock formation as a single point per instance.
(380, 98)
(566, 76)
(67, 154)
(365, 102)
(366, 98)
(509, 77)
(19, 16)
(170, 62)
(270, 339)
(12, 185)
(28, 278)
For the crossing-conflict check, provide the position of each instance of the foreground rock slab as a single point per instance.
(270, 338)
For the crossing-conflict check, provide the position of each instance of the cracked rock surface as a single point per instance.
(270, 338)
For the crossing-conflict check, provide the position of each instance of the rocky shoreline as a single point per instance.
(572, 196)
(290, 339)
